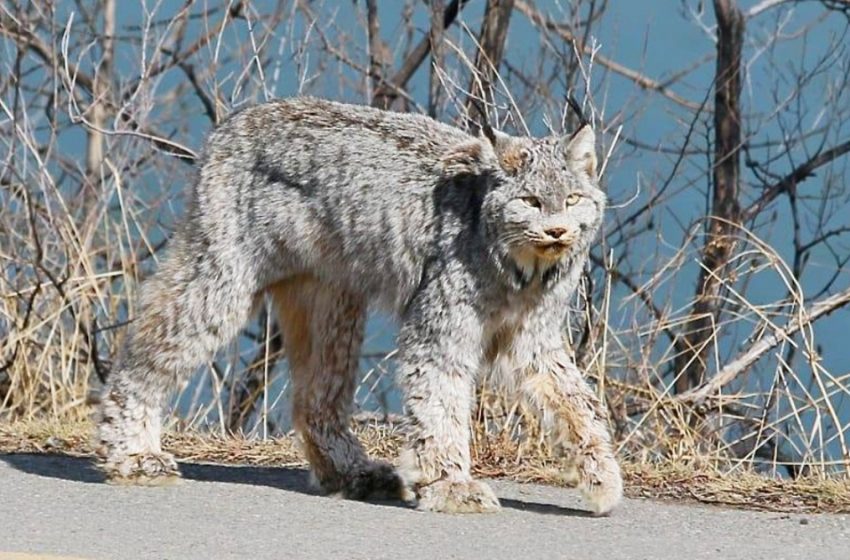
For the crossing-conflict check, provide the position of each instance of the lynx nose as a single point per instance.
(555, 233)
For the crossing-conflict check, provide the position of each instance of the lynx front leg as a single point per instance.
(440, 354)
(575, 420)
(436, 462)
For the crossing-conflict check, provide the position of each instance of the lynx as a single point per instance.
(474, 243)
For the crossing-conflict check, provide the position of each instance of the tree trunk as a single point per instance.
(725, 218)
(101, 87)
(434, 85)
(387, 93)
(373, 29)
(491, 43)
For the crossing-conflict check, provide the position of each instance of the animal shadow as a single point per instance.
(82, 469)
(544, 509)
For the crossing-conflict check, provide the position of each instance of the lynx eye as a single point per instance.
(572, 199)
(532, 201)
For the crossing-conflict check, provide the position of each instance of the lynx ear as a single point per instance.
(466, 158)
(510, 151)
(580, 150)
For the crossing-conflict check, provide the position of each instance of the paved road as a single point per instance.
(58, 506)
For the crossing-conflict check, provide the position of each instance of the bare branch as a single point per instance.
(385, 96)
(540, 20)
(746, 359)
(790, 182)
(491, 45)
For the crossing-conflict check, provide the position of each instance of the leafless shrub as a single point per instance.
(702, 316)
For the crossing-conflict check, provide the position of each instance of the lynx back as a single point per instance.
(474, 243)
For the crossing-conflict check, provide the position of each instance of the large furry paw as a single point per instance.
(600, 483)
(458, 496)
(143, 469)
(368, 481)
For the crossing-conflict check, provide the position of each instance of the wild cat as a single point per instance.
(475, 244)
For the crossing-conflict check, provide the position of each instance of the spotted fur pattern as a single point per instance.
(474, 243)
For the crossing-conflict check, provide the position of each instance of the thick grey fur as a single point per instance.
(476, 244)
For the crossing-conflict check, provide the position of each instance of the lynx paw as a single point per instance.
(458, 496)
(372, 480)
(601, 484)
(143, 469)
(563, 474)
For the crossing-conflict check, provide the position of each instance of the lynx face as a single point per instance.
(547, 206)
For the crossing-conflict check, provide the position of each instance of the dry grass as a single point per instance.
(77, 237)
(496, 457)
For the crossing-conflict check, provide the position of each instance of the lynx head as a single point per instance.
(544, 205)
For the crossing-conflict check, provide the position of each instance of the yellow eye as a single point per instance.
(532, 201)
(572, 199)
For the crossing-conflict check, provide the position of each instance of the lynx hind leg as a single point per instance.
(129, 429)
(575, 420)
(323, 331)
(186, 311)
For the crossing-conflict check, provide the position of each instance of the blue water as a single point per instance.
(653, 36)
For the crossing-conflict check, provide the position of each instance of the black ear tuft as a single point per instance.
(574, 105)
(482, 122)
(488, 132)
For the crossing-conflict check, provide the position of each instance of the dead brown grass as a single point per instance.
(495, 457)
(77, 237)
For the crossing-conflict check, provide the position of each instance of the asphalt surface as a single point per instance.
(58, 507)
